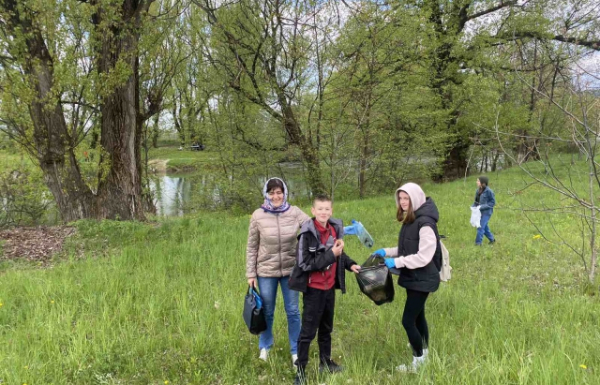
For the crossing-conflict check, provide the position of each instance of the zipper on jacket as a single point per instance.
(279, 238)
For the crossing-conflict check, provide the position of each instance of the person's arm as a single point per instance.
(301, 217)
(347, 261)
(390, 252)
(252, 248)
(312, 261)
(474, 200)
(427, 247)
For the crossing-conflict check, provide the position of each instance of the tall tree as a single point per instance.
(261, 49)
(465, 31)
(68, 65)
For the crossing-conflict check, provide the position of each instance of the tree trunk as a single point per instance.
(310, 153)
(594, 256)
(55, 151)
(155, 131)
(53, 146)
(120, 190)
(362, 166)
(178, 124)
(526, 149)
(457, 160)
(495, 161)
(364, 153)
(311, 160)
(73, 198)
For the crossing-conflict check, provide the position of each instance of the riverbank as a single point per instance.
(172, 160)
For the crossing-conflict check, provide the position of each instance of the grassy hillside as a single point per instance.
(161, 303)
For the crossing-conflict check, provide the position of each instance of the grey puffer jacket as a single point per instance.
(272, 239)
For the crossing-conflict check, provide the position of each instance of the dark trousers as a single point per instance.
(317, 314)
(414, 321)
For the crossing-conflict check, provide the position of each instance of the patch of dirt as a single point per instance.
(33, 243)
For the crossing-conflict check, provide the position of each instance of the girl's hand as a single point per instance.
(390, 263)
(355, 269)
(252, 282)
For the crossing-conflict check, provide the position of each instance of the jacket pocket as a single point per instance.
(407, 274)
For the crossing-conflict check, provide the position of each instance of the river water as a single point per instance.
(176, 194)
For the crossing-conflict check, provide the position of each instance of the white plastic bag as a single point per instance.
(446, 272)
(475, 217)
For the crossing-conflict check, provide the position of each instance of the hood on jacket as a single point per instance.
(416, 194)
(422, 206)
(285, 189)
(268, 205)
(428, 209)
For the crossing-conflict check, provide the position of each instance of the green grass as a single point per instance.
(182, 160)
(187, 160)
(152, 303)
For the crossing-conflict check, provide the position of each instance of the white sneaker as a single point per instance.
(294, 359)
(412, 368)
(264, 354)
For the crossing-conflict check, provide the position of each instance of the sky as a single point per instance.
(589, 69)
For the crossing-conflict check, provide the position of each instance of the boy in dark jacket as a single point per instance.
(319, 270)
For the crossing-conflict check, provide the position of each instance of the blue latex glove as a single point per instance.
(389, 262)
(380, 253)
(352, 229)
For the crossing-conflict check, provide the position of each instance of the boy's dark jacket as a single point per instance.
(312, 255)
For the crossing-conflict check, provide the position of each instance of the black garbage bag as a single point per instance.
(375, 280)
(254, 315)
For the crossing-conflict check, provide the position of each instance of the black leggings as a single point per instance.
(414, 321)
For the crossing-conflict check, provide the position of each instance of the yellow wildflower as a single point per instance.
(537, 236)
(582, 366)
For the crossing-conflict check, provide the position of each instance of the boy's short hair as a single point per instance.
(321, 198)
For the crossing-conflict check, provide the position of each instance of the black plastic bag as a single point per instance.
(254, 315)
(375, 280)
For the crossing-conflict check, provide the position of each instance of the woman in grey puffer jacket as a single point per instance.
(270, 257)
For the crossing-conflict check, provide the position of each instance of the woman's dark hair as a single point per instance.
(407, 216)
(484, 180)
(275, 183)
